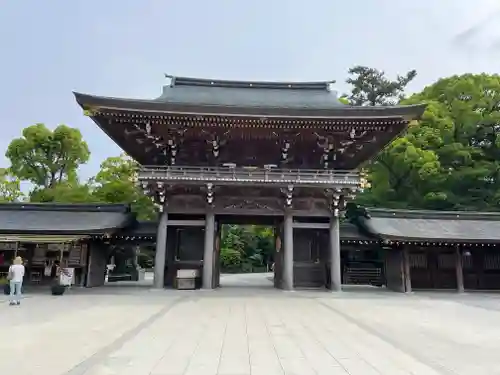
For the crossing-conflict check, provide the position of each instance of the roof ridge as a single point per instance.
(66, 207)
(431, 214)
(285, 85)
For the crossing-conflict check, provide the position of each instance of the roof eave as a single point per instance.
(64, 207)
(365, 225)
(92, 232)
(409, 112)
(431, 215)
(391, 238)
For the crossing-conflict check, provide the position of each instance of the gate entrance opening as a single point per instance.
(245, 257)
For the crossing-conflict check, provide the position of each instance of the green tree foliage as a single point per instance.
(64, 192)
(49, 160)
(10, 189)
(230, 259)
(116, 183)
(246, 247)
(402, 165)
(371, 86)
(45, 157)
(450, 159)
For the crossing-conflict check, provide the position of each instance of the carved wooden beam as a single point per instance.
(210, 194)
(338, 199)
(288, 193)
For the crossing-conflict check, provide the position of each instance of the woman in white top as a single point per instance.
(16, 276)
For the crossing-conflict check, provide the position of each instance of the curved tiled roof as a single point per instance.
(253, 98)
(434, 226)
(47, 218)
(184, 90)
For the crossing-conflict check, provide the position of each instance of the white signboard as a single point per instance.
(67, 276)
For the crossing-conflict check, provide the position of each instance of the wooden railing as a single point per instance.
(254, 175)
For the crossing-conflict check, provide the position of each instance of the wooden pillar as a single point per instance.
(394, 270)
(278, 255)
(335, 258)
(459, 267)
(216, 274)
(208, 253)
(161, 251)
(406, 270)
(288, 254)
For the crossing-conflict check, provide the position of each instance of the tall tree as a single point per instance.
(458, 139)
(401, 176)
(10, 188)
(64, 192)
(402, 166)
(372, 87)
(116, 183)
(45, 157)
(463, 124)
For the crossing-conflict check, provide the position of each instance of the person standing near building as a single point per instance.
(16, 276)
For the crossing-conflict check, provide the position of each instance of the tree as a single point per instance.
(401, 176)
(402, 165)
(45, 157)
(463, 120)
(230, 259)
(458, 146)
(64, 192)
(371, 86)
(246, 246)
(10, 188)
(116, 183)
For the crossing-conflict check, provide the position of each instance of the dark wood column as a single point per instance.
(335, 259)
(161, 251)
(208, 252)
(217, 240)
(278, 255)
(288, 251)
(394, 272)
(407, 270)
(459, 267)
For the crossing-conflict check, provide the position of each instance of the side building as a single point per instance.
(74, 236)
(448, 250)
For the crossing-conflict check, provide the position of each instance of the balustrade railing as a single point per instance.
(250, 175)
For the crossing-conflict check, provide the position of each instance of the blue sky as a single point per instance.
(123, 48)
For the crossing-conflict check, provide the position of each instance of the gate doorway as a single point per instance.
(245, 252)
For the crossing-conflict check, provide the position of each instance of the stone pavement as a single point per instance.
(251, 330)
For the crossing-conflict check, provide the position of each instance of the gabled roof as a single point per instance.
(433, 226)
(51, 219)
(184, 90)
(250, 98)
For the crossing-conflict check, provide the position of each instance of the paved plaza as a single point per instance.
(249, 328)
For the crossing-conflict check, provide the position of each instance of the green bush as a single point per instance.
(230, 258)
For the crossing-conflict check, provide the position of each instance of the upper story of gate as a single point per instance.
(241, 124)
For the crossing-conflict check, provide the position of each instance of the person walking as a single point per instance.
(16, 276)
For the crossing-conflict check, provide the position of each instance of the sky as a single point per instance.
(123, 48)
